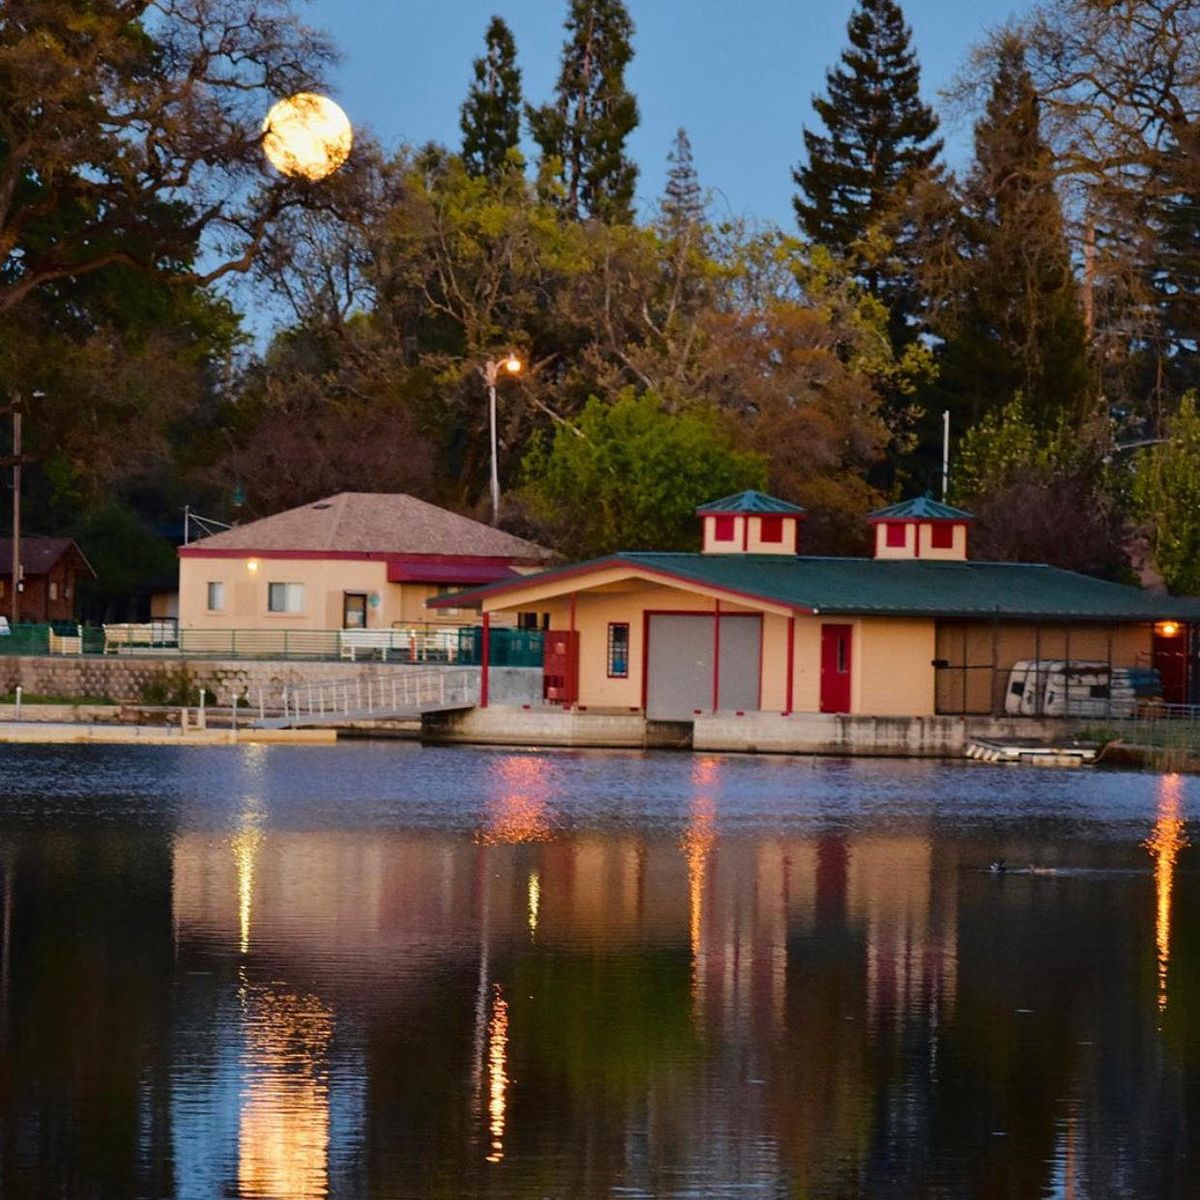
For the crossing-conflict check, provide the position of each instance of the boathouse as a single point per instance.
(749, 624)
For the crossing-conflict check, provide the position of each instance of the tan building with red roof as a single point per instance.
(357, 560)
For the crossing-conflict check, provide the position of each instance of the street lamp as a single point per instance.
(510, 365)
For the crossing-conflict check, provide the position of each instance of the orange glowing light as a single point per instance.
(497, 1075)
(1164, 844)
(513, 365)
(1167, 629)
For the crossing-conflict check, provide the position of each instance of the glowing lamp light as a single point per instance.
(512, 364)
(307, 136)
(252, 565)
(1167, 629)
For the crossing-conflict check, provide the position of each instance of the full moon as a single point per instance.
(307, 135)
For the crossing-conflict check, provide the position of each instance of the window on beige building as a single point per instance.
(285, 597)
(216, 596)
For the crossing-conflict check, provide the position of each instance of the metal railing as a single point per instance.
(416, 642)
(403, 693)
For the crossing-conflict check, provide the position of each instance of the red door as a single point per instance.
(560, 666)
(835, 668)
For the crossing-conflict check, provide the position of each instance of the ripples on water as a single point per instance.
(385, 971)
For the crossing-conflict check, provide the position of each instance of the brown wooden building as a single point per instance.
(51, 568)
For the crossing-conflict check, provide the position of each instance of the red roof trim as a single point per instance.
(358, 556)
(456, 599)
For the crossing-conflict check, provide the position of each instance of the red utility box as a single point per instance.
(560, 666)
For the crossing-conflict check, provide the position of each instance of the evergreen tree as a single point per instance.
(491, 113)
(585, 128)
(1016, 323)
(683, 201)
(1175, 269)
(879, 142)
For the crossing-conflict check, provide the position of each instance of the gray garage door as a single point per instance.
(679, 665)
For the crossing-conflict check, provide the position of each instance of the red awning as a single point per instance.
(415, 570)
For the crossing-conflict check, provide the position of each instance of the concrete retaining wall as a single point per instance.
(798, 733)
(819, 733)
(126, 678)
(501, 725)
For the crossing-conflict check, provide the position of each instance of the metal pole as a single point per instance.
(19, 689)
(16, 513)
(945, 453)
(490, 376)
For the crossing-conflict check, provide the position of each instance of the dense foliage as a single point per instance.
(1045, 296)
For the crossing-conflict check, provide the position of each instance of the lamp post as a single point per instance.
(510, 365)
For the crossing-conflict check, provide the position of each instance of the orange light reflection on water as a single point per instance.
(283, 1127)
(697, 844)
(1164, 844)
(518, 807)
(497, 1074)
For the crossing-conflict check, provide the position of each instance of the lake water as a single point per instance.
(384, 971)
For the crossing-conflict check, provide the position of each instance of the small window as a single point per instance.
(618, 650)
(943, 537)
(54, 589)
(841, 655)
(772, 529)
(285, 597)
(216, 597)
(723, 529)
(897, 534)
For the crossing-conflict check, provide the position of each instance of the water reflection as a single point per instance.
(283, 1128)
(586, 976)
(1164, 844)
(497, 1056)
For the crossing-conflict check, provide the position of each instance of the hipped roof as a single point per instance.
(372, 523)
(878, 587)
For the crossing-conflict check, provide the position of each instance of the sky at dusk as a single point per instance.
(738, 75)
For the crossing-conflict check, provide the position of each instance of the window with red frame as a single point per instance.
(722, 529)
(943, 537)
(772, 529)
(618, 650)
(897, 534)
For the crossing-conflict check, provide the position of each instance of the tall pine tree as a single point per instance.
(1015, 321)
(491, 113)
(683, 201)
(880, 141)
(1175, 269)
(593, 113)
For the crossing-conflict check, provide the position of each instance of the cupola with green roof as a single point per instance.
(921, 528)
(750, 523)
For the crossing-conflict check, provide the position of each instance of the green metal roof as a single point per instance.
(751, 502)
(885, 587)
(924, 508)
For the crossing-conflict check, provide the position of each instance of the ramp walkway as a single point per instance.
(401, 694)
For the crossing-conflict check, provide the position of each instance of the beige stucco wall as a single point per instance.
(325, 583)
(923, 531)
(892, 672)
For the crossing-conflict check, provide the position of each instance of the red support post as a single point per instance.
(487, 655)
(716, 696)
(791, 662)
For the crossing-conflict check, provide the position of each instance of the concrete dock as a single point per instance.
(65, 733)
